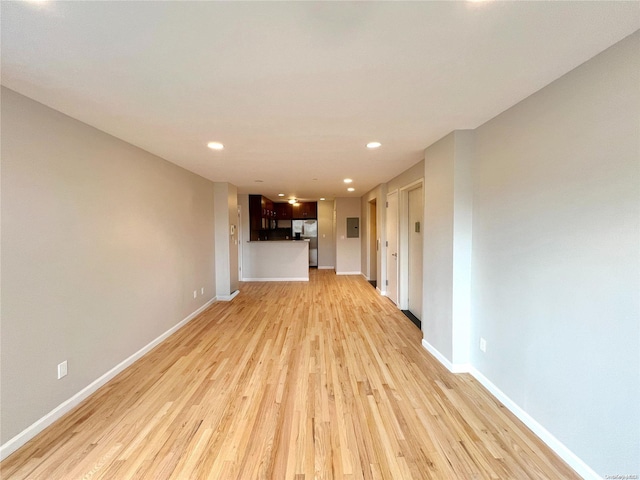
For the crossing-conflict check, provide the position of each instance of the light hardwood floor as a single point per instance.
(322, 380)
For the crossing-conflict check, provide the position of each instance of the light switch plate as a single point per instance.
(62, 370)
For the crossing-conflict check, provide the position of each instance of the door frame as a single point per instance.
(372, 246)
(239, 239)
(386, 249)
(403, 240)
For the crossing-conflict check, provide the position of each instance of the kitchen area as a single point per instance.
(283, 240)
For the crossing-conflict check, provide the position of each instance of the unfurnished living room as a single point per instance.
(329, 240)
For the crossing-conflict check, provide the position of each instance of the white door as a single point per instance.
(392, 247)
(415, 251)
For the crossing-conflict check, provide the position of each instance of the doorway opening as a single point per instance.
(373, 244)
(411, 246)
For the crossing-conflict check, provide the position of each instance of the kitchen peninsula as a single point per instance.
(283, 240)
(278, 260)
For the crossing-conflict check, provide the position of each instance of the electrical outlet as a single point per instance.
(62, 370)
(202, 291)
(483, 345)
(195, 293)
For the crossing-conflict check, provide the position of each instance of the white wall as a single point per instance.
(437, 325)
(447, 247)
(326, 235)
(232, 206)
(409, 176)
(226, 246)
(103, 245)
(556, 235)
(347, 249)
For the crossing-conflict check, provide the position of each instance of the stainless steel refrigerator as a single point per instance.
(308, 230)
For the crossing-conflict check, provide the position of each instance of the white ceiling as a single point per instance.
(295, 90)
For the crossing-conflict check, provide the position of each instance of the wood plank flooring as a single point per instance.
(323, 380)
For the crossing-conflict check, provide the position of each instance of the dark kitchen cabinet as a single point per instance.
(257, 210)
(262, 217)
(305, 210)
(284, 211)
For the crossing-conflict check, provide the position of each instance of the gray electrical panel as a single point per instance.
(353, 225)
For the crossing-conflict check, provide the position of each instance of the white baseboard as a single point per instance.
(348, 273)
(326, 268)
(227, 298)
(381, 292)
(65, 407)
(581, 468)
(285, 279)
(542, 433)
(452, 367)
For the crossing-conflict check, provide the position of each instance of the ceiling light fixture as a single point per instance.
(281, 194)
(293, 201)
(351, 189)
(322, 198)
(215, 145)
(373, 144)
(347, 180)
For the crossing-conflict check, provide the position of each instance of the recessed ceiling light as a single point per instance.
(322, 198)
(215, 145)
(281, 194)
(351, 189)
(373, 144)
(347, 180)
(259, 181)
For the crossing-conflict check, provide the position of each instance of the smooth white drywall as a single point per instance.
(462, 246)
(326, 235)
(556, 222)
(409, 176)
(103, 245)
(437, 323)
(275, 260)
(226, 245)
(232, 205)
(447, 246)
